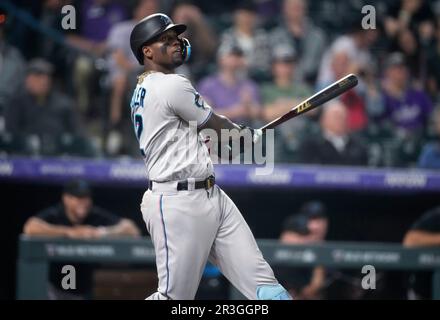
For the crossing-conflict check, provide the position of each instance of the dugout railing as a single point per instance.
(35, 255)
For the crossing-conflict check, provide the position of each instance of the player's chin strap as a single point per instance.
(272, 292)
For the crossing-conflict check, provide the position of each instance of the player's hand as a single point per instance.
(83, 232)
(256, 133)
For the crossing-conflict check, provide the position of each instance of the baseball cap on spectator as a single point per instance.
(296, 223)
(78, 188)
(230, 49)
(395, 59)
(314, 210)
(40, 66)
(247, 5)
(283, 53)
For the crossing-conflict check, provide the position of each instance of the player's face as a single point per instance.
(398, 75)
(334, 120)
(232, 62)
(166, 51)
(318, 228)
(245, 18)
(38, 84)
(77, 208)
(294, 9)
(283, 69)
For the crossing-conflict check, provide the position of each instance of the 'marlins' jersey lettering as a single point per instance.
(161, 108)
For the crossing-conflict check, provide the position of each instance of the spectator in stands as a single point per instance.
(252, 40)
(342, 65)
(96, 17)
(416, 15)
(122, 61)
(268, 10)
(201, 35)
(350, 53)
(425, 232)
(279, 96)
(407, 44)
(356, 45)
(123, 70)
(430, 156)
(334, 144)
(76, 218)
(52, 47)
(433, 72)
(317, 220)
(299, 31)
(307, 227)
(12, 72)
(405, 107)
(42, 115)
(230, 91)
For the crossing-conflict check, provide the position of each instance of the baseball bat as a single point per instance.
(326, 94)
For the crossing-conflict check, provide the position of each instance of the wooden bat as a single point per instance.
(326, 94)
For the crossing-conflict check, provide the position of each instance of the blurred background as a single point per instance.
(362, 169)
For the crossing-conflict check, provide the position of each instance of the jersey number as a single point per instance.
(138, 125)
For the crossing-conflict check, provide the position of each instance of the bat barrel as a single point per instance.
(323, 96)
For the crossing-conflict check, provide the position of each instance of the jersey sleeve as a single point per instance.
(187, 103)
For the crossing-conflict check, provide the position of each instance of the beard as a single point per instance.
(177, 59)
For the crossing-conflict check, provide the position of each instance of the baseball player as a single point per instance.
(190, 219)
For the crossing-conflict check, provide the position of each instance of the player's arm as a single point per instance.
(124, 227)
(313, 289)
(38, 227)
(419, 238)
(189, 105)
(218, 122)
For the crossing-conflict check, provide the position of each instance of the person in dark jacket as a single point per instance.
(76, 217)
(40, 114)
(425, 232)
(334, 145)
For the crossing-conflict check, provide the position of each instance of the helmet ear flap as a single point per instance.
(186, 49)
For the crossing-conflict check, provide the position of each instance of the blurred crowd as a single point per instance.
(67, 92)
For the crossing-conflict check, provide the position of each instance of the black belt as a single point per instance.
(208, 183)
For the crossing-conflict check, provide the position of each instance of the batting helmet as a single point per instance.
(150, 28)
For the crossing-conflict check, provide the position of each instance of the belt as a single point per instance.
(208, 183)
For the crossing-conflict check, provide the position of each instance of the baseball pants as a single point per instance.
(188, 228)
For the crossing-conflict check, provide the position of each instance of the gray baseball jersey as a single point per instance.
(192, 226)
(162, 107)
